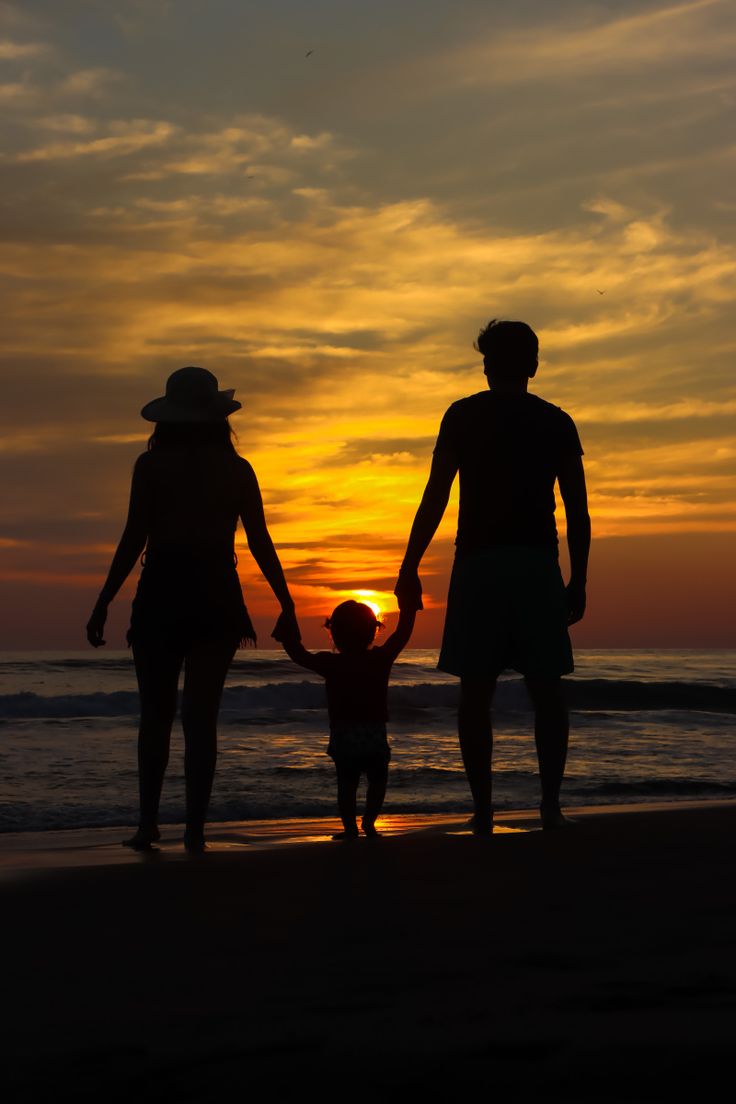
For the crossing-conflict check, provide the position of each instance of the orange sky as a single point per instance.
(327, 234)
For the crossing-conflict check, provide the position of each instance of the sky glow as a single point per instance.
(183, 185)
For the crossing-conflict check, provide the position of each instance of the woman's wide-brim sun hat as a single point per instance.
(192, 395)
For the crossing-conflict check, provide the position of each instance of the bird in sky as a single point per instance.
(600, 292)
(309, 53)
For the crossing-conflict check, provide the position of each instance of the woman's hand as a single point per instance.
(287, 627)
(96, 625)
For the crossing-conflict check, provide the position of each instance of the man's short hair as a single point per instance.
(509, 348)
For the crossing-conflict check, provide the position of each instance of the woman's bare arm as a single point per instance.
(129, 549)
(262, 549)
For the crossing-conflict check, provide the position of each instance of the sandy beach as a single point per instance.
(592, 964)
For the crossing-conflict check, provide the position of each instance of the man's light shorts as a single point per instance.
(506, 608)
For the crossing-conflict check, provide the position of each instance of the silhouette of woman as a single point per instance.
(187, 493)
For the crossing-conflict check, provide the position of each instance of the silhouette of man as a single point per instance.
(507, 604)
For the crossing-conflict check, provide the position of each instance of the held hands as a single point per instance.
(96, 625)
(575, 602)
(408, 590)
(286, 629)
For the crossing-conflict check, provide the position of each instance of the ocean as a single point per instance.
(646, 726)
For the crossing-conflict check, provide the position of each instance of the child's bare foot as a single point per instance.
(553, 818)
(348, 833)
(369, 829)
(143, 838)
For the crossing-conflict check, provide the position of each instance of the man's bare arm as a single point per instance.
(571, 478)
(431, 510)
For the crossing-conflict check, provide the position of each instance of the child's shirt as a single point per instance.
(356, 682)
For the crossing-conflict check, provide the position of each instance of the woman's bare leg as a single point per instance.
(205, 669)
(157, 670)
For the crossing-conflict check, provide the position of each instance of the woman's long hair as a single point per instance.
(189, 436)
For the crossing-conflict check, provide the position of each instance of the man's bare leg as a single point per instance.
(476, 745)
(551, 731)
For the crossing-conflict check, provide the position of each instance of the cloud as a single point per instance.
(670, 35)
(67, 124)
(88, 82)
(685, 410)
(17, 92)
(125, 137)
(17, 51)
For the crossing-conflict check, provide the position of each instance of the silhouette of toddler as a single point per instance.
(356, 679)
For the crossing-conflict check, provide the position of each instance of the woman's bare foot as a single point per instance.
(553, 818)
(347, 834)
(143, 838)
(369, 829)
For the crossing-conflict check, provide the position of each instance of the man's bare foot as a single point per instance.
(347, 834)
(369, 829)
(194, 842)
(553, 818)
(481, 826)
(143, 839)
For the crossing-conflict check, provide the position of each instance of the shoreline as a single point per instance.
(73, 848)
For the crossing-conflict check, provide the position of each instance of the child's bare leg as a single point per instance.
(377, 776)
(348, 779)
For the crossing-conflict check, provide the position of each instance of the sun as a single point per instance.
(364, 596)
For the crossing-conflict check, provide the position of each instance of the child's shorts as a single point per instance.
(359, 743)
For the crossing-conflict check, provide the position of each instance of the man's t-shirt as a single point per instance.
(509, 449)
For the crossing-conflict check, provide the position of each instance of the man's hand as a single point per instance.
(575, 602)
(408, 590)
(96, 625)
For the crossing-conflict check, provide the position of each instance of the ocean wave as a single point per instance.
(658, 788)
(610, 694)
(240, 703)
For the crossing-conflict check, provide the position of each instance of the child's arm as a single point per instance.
(292, 645)
(295, 650)
(399, 638)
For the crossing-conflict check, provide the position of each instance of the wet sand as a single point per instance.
(592, 964)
